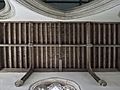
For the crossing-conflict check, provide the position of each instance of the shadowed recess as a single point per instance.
(66, 4)
(2, 4)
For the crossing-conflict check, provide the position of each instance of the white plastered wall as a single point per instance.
(24, 14)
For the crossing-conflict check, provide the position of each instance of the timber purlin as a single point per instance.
(60, 46)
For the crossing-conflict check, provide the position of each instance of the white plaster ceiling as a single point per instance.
(23, 13)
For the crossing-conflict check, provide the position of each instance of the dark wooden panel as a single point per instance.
(59, 45)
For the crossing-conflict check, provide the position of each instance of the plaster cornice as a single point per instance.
(88, 9)
(8, 11)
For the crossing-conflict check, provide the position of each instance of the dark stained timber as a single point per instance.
(60, 46)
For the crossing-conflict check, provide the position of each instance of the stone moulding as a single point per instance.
(8, 11)
(88, 9)
(47, 84)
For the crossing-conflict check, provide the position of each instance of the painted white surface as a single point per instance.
(85, 81)
(82, 78)
(24, 14)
